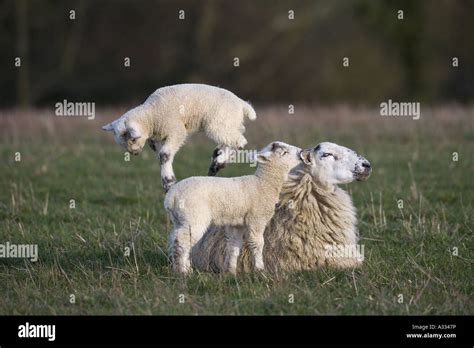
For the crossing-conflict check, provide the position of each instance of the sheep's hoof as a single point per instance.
(167, 182)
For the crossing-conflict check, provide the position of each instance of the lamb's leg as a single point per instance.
(256, 242)
(233, 247)
(169, 148)
(182, 239)
(181, 249)
(220, 156)
(228, 142)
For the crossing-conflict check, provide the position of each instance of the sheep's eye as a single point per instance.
(327, 154)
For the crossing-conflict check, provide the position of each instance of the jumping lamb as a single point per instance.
(245, 203)
(314, 224)
(171, 113)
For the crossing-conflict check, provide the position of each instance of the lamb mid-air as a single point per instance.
(171, 113)
(246, 203)
(313, 220)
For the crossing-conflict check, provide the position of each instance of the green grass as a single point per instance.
(118, 204)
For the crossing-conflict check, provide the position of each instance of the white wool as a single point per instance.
(246, 203)
(313, 216)
(172, 113)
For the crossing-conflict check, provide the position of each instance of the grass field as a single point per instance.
(423, 251)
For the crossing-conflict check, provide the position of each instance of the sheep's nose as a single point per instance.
(366, 165)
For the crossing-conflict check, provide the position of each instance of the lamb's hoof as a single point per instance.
(167, 182)
(214, 168)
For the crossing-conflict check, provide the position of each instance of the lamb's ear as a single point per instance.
(134, 132)
(263, 157)
(108, 127)
(306, 157)
(278, 147)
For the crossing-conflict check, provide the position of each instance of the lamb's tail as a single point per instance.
(249, 111)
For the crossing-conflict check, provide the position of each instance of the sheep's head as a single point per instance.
(277, 151)
(129, 135)
(332, 164)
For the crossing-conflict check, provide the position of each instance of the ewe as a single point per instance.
(245, 203)
(171, 113)
(314, 218)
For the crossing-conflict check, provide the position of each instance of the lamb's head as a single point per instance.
(128, 134)
(332, 164)
(281, 154)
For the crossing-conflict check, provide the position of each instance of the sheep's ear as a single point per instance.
(306, 157)
(108, 127)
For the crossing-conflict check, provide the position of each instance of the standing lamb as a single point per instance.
(245, 203)
(171, 113)
(313, 220)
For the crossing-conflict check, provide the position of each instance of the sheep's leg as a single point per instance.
(256, 242)
(220, 156)
(233, 246)
(169, 148)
